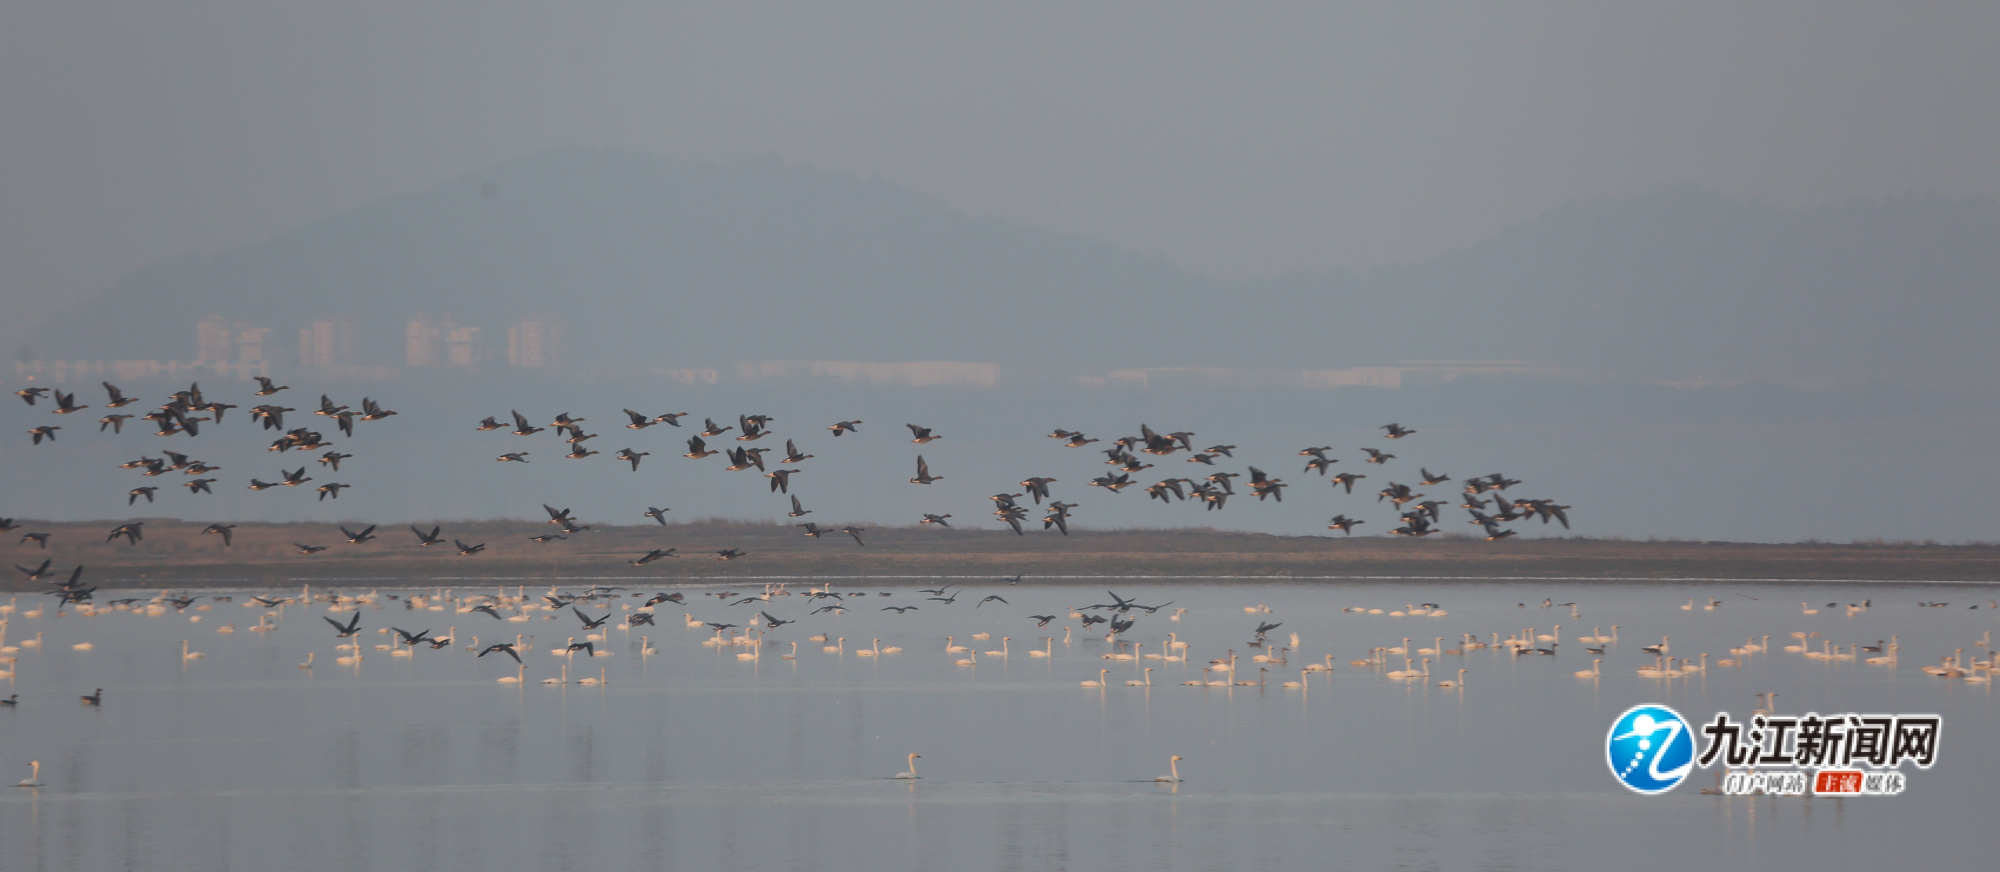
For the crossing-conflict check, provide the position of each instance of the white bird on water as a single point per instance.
(912, 774)
(1174, 768)
(34, 778)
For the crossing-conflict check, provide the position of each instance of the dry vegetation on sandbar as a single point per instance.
(176, 553)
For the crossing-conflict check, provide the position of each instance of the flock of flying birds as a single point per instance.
(189, 412)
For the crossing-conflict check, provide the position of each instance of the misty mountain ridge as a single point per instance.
(654, 262)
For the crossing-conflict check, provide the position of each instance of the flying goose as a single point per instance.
(657, 514)
(855, 532)
(265, 387)
(797, 511)
(1038, 488)
(780, 479)
(922, 435)
(373, 411)
(698, 449)
(46, 430)
(792, 454)
(115, 422)
(513, 457)
(935, 519)
(222, 530)
(331, 489)
(711, 429)
(639, 421)
(522, 427)
(333, 459)
(29, 395)
(354, 538)
(66, 403)
(465, 550)
(924, 472)
(628, 454)
(426, 540)
(1375, 456)
(133, 495)
(1395, 431)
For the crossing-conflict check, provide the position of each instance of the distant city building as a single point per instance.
(423, 342)
(691, 377)
(1171, 377)
(1355, 377)
(214, 341)
(535, 342)
(916, 374)
(461, 347)
(327, 342)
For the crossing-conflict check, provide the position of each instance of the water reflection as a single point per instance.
(695, 757)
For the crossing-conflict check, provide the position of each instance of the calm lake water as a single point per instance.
(694, 758)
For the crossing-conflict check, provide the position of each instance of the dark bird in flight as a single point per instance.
(840, 427)
(348, 629)
(1344, 524)
(1395, 431)
(506, 648)
(780, 479)
(657, 514)
(222, 530)
(426, 540)
(522, 427)
(358, 538)
(924, 475)
(923, 434)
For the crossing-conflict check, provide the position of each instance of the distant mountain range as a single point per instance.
(659, 262)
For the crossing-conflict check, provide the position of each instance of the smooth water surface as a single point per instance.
(693, 757)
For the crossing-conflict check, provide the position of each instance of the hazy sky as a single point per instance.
(1233, 139)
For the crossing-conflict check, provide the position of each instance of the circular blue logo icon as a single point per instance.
(1650, 748)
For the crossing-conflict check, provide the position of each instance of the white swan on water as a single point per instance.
(34, 778)
(912, 774)
(1174, 768)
